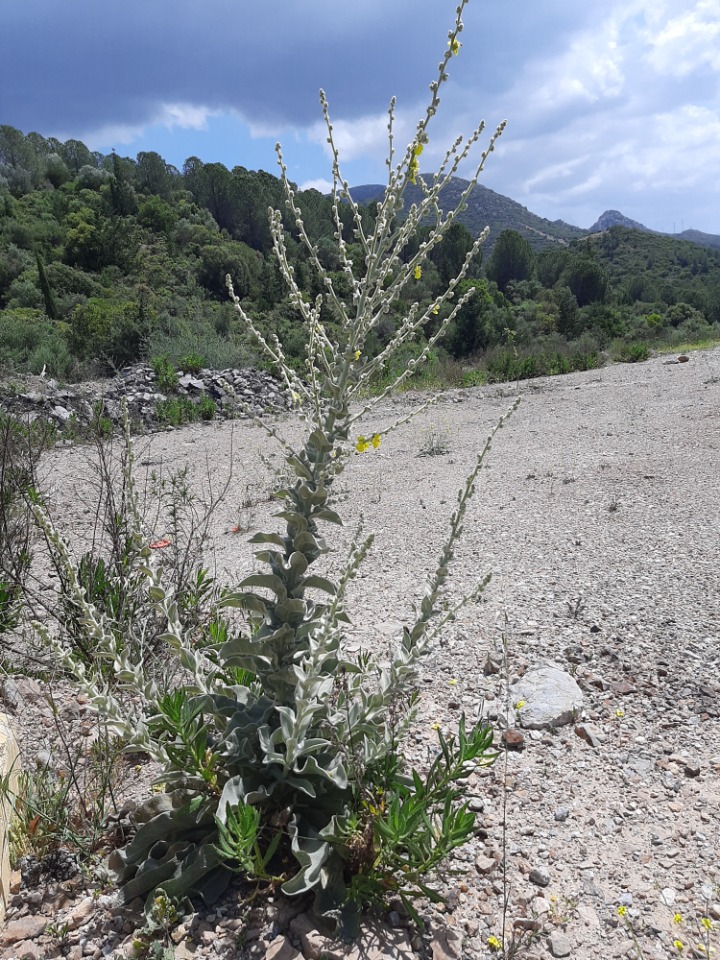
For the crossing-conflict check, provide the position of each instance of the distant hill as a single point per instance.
(697, 236)
(488, 208)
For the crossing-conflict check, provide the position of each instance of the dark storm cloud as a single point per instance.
(83, 64)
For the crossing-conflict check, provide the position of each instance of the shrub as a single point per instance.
(634, 352)
(191, 363)
(165, 374)
(281, 754)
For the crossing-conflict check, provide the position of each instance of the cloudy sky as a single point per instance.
(611, 104)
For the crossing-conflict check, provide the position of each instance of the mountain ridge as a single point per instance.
(486, 207)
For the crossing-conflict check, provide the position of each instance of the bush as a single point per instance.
(166, 378)
(633, 352)
(191, 363)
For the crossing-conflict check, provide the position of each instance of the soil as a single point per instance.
(597, 515)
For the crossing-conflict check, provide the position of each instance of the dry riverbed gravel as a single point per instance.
(598, 515)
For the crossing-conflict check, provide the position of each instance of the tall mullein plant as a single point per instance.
(331, 724)
(280, 755)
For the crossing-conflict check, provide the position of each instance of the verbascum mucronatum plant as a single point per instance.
(281, 754)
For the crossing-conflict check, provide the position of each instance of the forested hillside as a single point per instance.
(105, 260)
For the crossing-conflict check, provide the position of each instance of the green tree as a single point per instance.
(109, 332)
(449, 255)
(154, 175)
(512, 258)
(587, 280)
(50, 304)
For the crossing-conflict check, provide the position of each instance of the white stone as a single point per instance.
(550, 697)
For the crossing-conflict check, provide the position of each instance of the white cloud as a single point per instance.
(186, 116)
(354, 138)
(687, 41)
(323, 186)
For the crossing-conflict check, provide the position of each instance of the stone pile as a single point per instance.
(71, 408)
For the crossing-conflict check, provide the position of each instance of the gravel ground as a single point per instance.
(597, 516)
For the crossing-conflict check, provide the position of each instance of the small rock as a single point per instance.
(540, 877)
(446, 944)
(559, 944)
(79, 914)
(667, 896)
(513, 739)
(26, 928)
(485, 865)
(692, 768)
(588, 915)
(492, 666)
(30, 951)
(561, 814)
(282, 949)
(315, 944)
(588, 734)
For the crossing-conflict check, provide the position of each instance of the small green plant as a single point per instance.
(191, 363)
(153, 941)
(174, 411)
(474, 378)
(435, 442)
(206, 409)
(165, 374)
(64, 808)
(101, 425)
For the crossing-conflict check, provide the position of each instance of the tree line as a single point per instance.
(106, 260)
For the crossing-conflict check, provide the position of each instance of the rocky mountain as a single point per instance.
(613, 218)
(488, 208)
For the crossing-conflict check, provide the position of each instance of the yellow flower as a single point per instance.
(376, 439)
(706, 922)
(622, 911)
(435, 726)
(678, 918)
(678, 944)
(417, 273)
(418, 149)
(362, 444)
(357, 355)
(413, 169)
(452, 682)
(455, 45)
(494, 943)
(520, 704)
(436, 310)
(619, 713)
